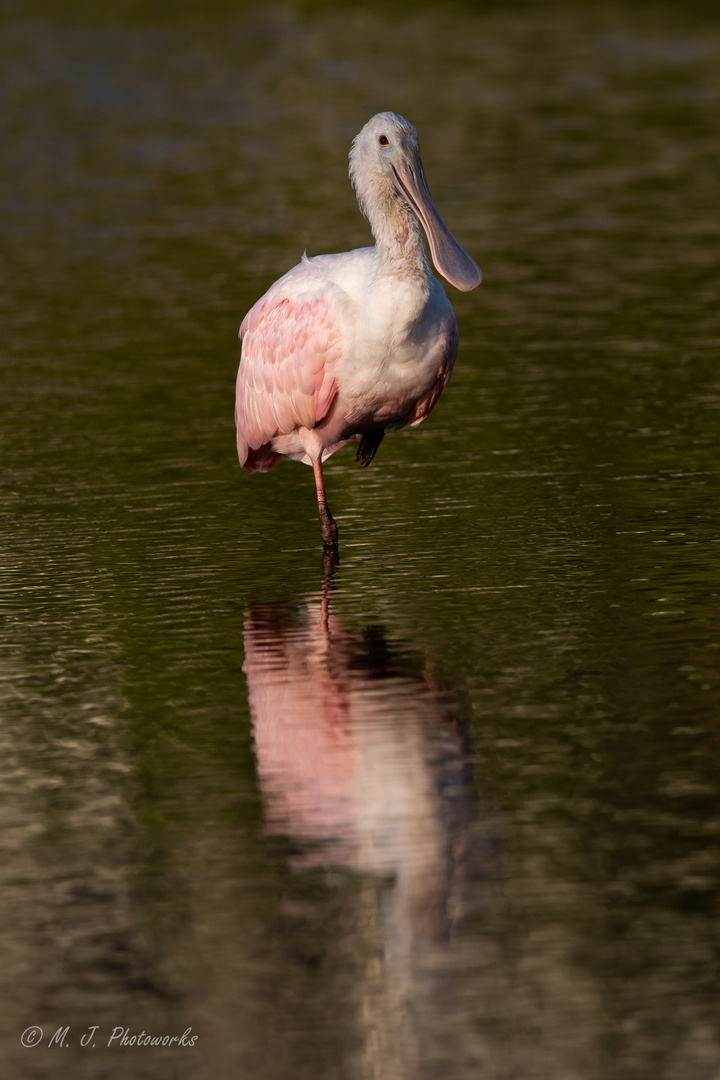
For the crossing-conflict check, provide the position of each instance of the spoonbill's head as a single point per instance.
(385, 166)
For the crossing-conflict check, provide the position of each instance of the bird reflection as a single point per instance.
(363, 759)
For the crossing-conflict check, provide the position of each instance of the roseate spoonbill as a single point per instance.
(344, 346)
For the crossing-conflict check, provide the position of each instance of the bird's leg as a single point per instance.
(328, 528)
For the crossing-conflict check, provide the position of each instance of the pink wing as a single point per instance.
(291, 346)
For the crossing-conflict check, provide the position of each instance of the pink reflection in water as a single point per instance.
(360, 757)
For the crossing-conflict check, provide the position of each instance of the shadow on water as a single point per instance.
(364, 761)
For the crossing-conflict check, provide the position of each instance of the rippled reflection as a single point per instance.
(363, 761)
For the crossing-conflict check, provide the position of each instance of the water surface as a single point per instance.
(453, 809)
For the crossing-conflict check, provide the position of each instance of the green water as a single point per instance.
(518, 874)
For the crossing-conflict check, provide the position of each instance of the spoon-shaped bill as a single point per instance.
(450, 259)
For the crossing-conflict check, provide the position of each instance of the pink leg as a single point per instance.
(328, 528)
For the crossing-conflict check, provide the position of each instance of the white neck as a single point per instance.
(398, 237)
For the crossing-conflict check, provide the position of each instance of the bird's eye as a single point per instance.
(384, 141)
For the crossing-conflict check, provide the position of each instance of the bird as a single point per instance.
(346, 346)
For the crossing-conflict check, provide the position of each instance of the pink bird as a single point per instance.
(345, 346)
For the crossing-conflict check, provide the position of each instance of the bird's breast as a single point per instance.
(399, 355)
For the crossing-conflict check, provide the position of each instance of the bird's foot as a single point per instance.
(328, 530)
(367, 449)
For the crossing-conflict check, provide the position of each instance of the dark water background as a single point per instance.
(470, 827)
